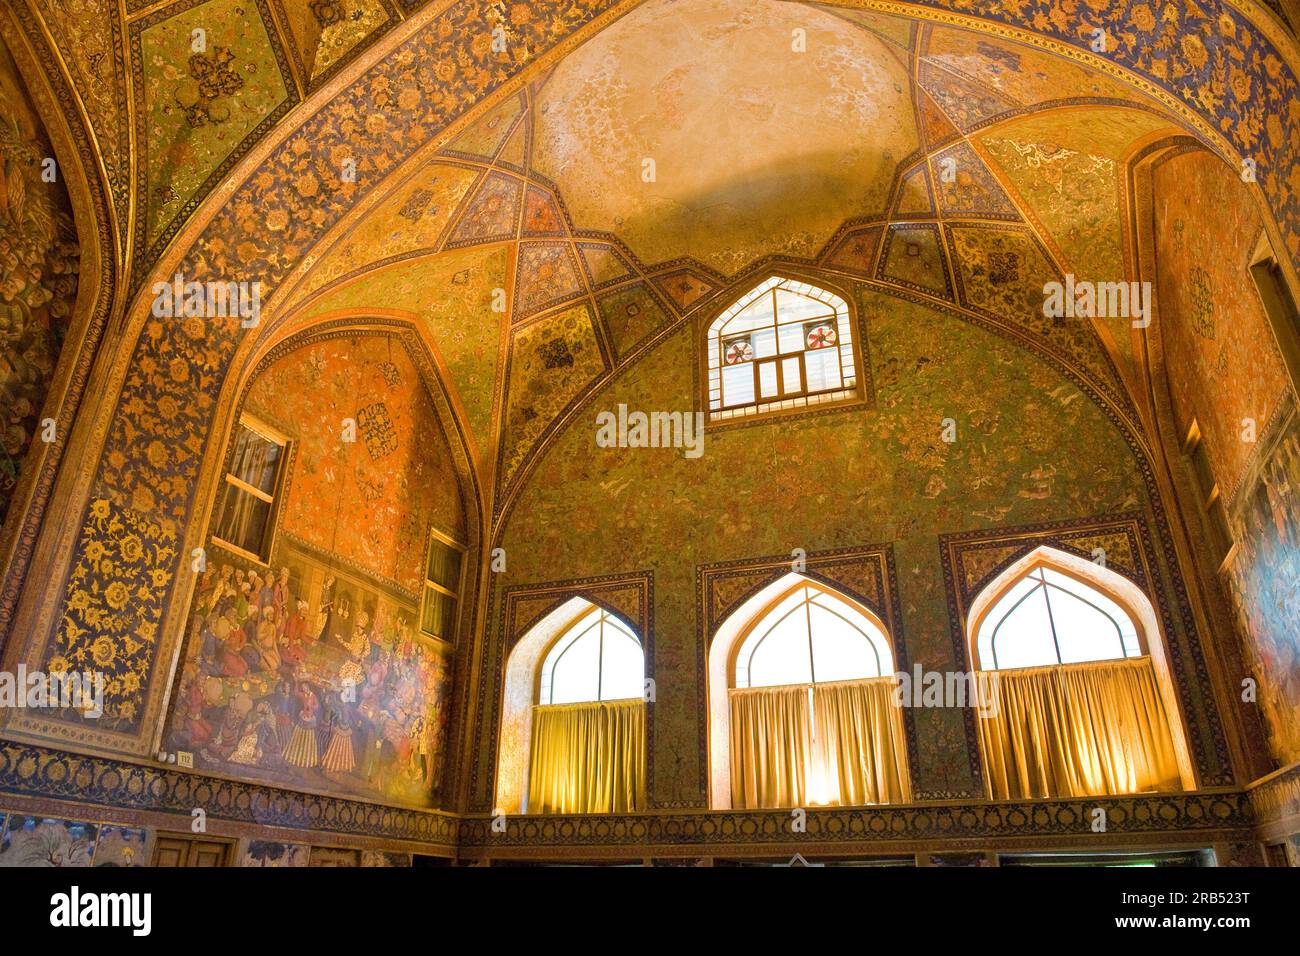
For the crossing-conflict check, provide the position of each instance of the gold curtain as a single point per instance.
(1077, 730)
(860, 749)
(588, 758)
(842, 745)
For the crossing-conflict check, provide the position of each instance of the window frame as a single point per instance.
(761, 616)
(995, 600)
(441, 537)
(275, 499)
(781, 404)
(1210, 496)
(581, 625)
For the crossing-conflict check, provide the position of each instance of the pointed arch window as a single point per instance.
(583, 669)
(598, 658)
(1076, 699)
(1048, 617)
(814, 718)
(785, 344)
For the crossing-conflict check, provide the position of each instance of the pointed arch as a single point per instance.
(763, 616)
(1086, 589)
(785, 343)
(525, 681)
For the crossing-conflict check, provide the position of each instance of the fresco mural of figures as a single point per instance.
(38, 274)
(34, 841)
(308, 676)
(1265, 580)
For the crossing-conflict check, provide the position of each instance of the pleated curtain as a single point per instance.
(588, 758)
(1077, 730)
(839, 744)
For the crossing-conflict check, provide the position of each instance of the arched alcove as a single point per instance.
(1121, 595)
(766, 609)
(526, 686)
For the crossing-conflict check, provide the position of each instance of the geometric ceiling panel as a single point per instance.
(198, 108)
(937, 128)
(546, 274)
(514, 154)
(856, 252)
(541, 214)
(605, 264)
(914, 257)
(484, 138)
(914, 195)
(412, 218)
(962, 101)
(631, 314)
(966, 187)
(684, 287)
(325, 32)
(492, 214)
(622, 122)
(552, 362)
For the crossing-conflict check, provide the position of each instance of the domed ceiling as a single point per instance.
(681, 141)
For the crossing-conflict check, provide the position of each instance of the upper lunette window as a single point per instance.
(785, 344)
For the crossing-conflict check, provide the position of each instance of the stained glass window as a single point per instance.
(597, 658)
(810, 636)
(1048, 618)
(784, 344)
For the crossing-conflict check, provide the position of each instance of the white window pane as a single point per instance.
(840, 650)
(791, 338)
(1083, 633)
(623, 670)
(738, 384)
(767, 380)
(791, 375)
(1108, 607)
(791, 306)
(756, 315)
(823, 369)
(781, 656)
(1024, 637)
(575, 675)
(764, 342)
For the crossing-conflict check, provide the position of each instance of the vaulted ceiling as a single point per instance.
(680, 148)
(633, 183)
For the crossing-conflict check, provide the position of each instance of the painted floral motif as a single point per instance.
(202, 95)
(545, 275)
(371, 500)
(39, 262)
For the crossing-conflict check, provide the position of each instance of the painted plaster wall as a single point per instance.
(1030, 448)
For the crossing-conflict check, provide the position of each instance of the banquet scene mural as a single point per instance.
(593, 431)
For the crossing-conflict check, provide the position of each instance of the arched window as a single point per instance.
(784, 344)
(809, 703)
(598, 658)
(573, 722)
(812, 636)
(1047, 617)
(1072, 702)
